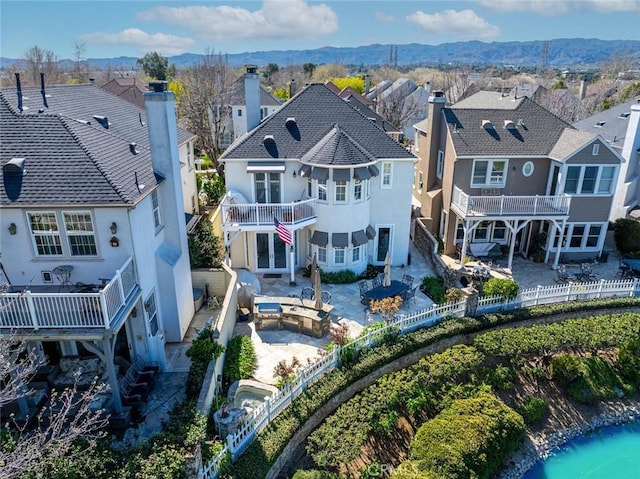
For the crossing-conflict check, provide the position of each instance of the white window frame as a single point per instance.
(416, 141)
(494, 228)
(336, 252)
(340, 187)
(190, 155)
(151, 309)
(156, 211)
(55, 238)
(322, 255)
(420, 181)
(596, 149)
(322, 186)
(82, 231)
(358, 191)
(440, 164)
(356, 254)
(568, 235)
(528, 168)
(386, 175)
(488, 182)
(597, 182)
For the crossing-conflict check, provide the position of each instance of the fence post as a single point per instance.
(538, 288)
(267, 404)
(335, 356)
(303, 380)
(368, 337)
(600, 287)
(569, 288)
(230, 444)
(32, 310)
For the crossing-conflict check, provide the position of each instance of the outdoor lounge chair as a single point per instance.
(364, 287)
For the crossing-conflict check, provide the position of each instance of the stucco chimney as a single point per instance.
(292, 88)
(583, 89)
(252, 97)
(427, 87)
(367, 84)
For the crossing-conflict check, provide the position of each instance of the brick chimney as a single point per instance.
(252, 97)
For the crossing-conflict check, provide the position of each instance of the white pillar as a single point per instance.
(292, 254)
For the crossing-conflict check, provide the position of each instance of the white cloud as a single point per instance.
(275, 19)
(560, 7)
(144, 42)
(464, 24)
(384, 17)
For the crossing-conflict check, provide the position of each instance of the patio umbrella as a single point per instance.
(314, 267)
(317, 283)
(387, 271)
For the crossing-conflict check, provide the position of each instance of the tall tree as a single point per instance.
(79, 64)
(154, 65)
(203, 102)
(39, 60)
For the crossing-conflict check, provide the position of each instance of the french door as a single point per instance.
(382, 243)
(271, 252)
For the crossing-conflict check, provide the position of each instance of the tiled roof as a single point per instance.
(569, 142)
(337, 149)
(535, 130)
(238, 99)
(129, 89)
(316, 109)
(371, 114)
(494, 100)
(611, 124)
(70, 162)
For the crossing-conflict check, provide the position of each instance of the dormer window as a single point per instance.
(596, 149)
(600, 124)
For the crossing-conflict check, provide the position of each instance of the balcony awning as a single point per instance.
(265, 166)
(371, 232)
(340, 240)
(320, 173)
(320, 238)
(361, 173)
(341, 175)
(359, 237)
(373, 169)
(304, 171)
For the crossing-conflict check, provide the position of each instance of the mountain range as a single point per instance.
(568, 52)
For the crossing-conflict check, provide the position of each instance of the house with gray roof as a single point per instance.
(499, 172)
(620, 127)
(334, 178)
(93, 238)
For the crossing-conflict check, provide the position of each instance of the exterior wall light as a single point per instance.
(113, 228)
(13, 229)
(115, 242)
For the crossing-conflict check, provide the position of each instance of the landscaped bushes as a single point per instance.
(629, 360)
(533, 410)
(433, 286)
(627, 235)
(470, 438)
(505, 288)
(240, 361)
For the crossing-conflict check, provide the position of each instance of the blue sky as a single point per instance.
(133, 28)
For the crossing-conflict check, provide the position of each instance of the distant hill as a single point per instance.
(568, 52)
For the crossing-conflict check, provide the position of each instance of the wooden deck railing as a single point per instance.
(478, 206)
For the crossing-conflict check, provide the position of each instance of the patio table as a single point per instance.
(634, 264)
(396, 288)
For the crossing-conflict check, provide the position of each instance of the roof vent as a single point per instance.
(290, 121)
(509, 125)
(600, 124)
(520, 122)
(158, 86)
(103, 120)
(84, 122)
(624, 115)
(487, 125)
(268, 139)
(132, 148)
(14, 166)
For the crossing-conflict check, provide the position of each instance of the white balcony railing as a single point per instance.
(27, 310)
(479, 206)
(262, 214)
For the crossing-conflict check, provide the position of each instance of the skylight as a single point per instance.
(600, 124)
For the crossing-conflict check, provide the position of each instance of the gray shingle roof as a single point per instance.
(371, 114)
(316, 110)
(337, 149)
(569, 142)
(69, 162)
(614, 128)
(238, 98)
(535, 135)
(494, 100)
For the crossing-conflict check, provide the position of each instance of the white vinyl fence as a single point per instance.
(237, 443)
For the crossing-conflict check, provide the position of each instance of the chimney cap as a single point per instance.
(252, 68)
(158, 86)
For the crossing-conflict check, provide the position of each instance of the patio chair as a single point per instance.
(410, 294)
(407, 279)
(307, 293)
(143, 368)
(625, 271)
(587, 274)
(561, 275)
(377, 281)
(364, 287)
(326, 297)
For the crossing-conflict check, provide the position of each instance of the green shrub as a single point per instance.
(204, 348)
(629, 360)
(211, 186)
(505, 288)
(371, 272)
(240, 360)
(626, 234)
(597, 380)
(314, 474)
(533, 410)
(500, 377)
(565, 368)
(471, 438)
(339, 277)
(205, 250)
(433, 287)
(454, 295)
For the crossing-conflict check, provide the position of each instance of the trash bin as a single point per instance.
(409, 259)
(604, 256)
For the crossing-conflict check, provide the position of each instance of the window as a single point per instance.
(189, 155)
(459, 231)
(420, 181)
(264, 112)
(45, 233)
(80, 235)
(322, 254)
(322, 190)
(239, 112)
(357, 190)
(499, 231)
(576, 236)
(589, 180)
(593, 236)
(356, 254)
(527, 168)
(489, 173)
(157, 218)
(341, 191)
(482, 232)
(152, 313)
(386, 178)
(582, 236)
(596, 149)
(440, 164)
(339, 256)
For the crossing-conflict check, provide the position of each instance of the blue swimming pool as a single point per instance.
(611, 452)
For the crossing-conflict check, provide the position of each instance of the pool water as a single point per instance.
(611, 452)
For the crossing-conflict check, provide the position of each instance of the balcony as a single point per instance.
(513, 206)
(92, 311)
(299, 213)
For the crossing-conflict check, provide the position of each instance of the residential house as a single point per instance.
(130, 89)
(243, 101)
(501, 170)
(92, 232)
(337, 181)
(620, 127)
